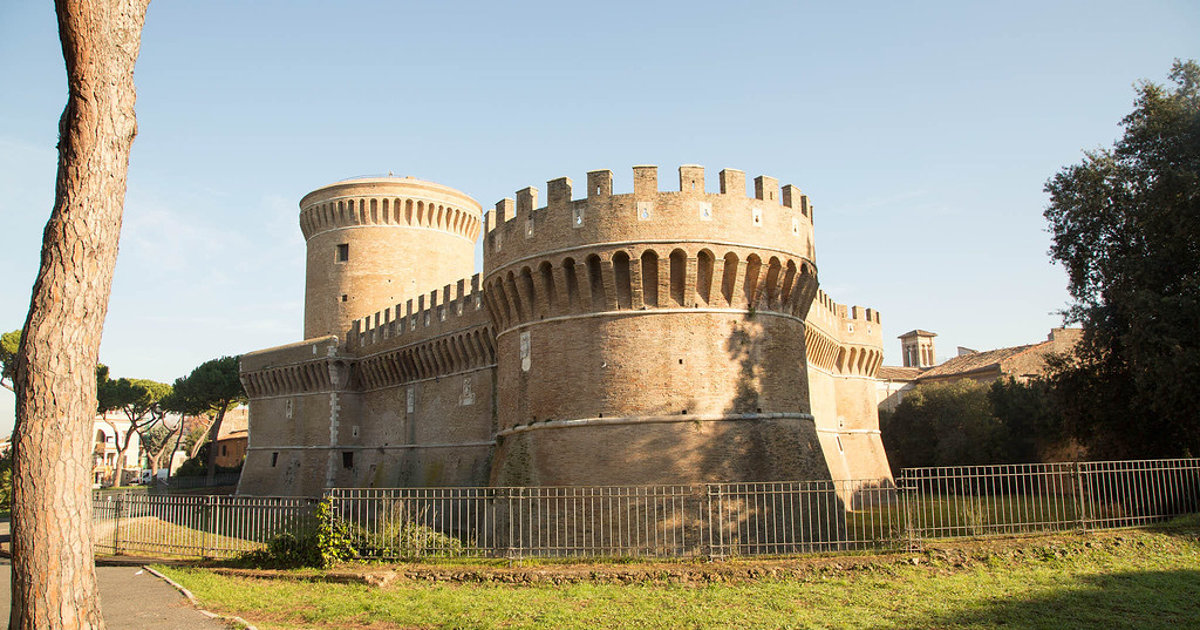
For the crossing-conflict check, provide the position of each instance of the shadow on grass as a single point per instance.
(1143, 599)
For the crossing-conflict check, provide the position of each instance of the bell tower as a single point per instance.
(918, 349)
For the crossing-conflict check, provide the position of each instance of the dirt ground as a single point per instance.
(950, 556)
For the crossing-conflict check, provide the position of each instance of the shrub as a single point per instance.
(333, 539)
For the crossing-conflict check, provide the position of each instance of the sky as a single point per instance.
(923, 133)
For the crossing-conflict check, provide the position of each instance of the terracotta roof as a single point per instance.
(236, 433)
(974, 362)
(918, 332)
(897, 373)
(237, 419)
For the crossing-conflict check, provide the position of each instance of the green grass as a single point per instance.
(151, 536)
(1128, 579)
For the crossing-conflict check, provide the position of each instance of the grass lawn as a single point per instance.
(1123, 579)
(158, 537)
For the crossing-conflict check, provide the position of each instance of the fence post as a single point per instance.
(501, 522)
(206, 522)
(215, 526)
(909, 537)
(120, 505)
(515, 535)
(716, 521)
(1080, 501)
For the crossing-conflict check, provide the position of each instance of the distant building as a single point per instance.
(892, 381)
(233, 438)
(108, 430)
(1018, 362)
(917, 349)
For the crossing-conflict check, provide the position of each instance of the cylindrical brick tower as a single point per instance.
(652, 337)
(375, 241)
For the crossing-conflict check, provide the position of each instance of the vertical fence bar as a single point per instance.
(1080, 516)
(906, 504)
(117, 508)
(205, 524)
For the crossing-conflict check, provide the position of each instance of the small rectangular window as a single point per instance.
(347, 459)
(343, 252)
(274, 459)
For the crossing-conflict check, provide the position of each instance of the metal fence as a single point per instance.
(195, 526)
(701, 520)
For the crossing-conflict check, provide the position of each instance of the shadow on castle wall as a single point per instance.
(783, 500)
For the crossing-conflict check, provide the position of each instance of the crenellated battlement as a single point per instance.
(843, 339)
(390, 202)
(770, 217)
(824, 305)
(452, 307)
(373, 241)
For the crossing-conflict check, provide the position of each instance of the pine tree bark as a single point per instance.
(54, 579)
(214, 432)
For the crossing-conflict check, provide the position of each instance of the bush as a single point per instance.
(1033, 422)
(333, 540)
(966, 422)
(943, 424)
(287, 551)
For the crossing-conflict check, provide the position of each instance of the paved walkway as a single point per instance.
(129, 598)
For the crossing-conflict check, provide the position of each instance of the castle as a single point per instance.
(651, 337)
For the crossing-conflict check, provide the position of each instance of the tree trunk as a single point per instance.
(118, 468)
(156, 457)
(195, 450)
(53, 576)
(119, 465)
(213, 433)
(178, 439)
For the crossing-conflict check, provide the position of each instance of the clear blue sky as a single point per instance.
(922, 131)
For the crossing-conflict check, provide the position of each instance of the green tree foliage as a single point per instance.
(214, 387)
(943, 424)
(1032, 422)
(138, 399)
(1126, 226)
(966, 422)
(9, 342)
(195, 439)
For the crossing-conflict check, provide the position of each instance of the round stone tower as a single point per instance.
(373, 242)
(652, 337)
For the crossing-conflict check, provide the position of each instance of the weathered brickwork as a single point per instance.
(372, 242)
(646, 337)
